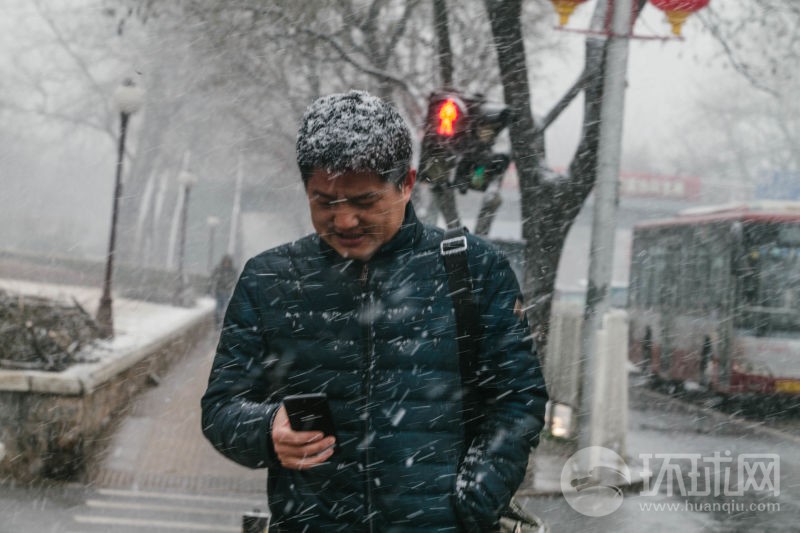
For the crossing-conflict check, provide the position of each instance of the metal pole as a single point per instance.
(236, 210)
(181, 296)
(606, 200)
(446, 202)
(105, 318)
(211, 230)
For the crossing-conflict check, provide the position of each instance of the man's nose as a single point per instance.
(344, 217)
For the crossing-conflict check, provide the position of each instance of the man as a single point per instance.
(223, 280)
(361, 311)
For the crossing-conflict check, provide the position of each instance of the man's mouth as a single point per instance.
(350, 239)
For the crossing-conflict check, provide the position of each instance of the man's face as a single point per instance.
(357, 212)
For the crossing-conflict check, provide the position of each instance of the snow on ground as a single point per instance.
(136, 322)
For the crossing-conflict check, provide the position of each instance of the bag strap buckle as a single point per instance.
(453, 245)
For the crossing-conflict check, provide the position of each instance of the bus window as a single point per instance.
(779, 275)
(717, 281)
(700, 278)
(657, 276)
(769, 277)
(749, 277)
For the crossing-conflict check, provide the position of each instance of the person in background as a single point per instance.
(361, 311)
(223, 280)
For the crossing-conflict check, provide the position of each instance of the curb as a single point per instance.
(719, 416)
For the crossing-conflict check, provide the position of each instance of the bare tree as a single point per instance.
(740, 28)
(333, 45)
(269, 58)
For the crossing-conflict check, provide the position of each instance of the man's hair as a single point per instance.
(354, 131)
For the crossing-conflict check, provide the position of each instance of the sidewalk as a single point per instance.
(160, 446)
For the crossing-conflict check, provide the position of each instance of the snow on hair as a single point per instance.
(353, 131)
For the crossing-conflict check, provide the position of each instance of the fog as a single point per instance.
(709, 118)
(59, 127)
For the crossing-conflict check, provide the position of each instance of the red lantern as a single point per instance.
(678, 10)
(564, 8)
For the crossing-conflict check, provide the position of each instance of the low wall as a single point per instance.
(51, 423)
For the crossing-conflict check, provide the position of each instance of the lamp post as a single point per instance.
(601, 252)
(186, 179)
(128, 99)
(212, 223)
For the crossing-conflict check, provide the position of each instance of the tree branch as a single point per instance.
(58, 116)
(400, 27)
(563, 103)
(363, 68)
(709, 21)
(82, 66)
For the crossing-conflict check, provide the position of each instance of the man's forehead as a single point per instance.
(357, 182)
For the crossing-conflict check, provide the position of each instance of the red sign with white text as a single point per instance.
(653, 186)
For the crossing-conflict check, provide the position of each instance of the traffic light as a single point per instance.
(447, 116)
(477, 171)
(460, 131)
(446, 125)
(491, 118)
(479, 164)
(447, 121)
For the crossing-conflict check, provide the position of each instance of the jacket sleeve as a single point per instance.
(512, 388)
(236, 414)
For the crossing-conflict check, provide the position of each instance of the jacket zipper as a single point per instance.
(367, 383)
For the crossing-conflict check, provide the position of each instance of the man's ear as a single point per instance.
(409, 181)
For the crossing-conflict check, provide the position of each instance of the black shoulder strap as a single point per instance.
(459, 281)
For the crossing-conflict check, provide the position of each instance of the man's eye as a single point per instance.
(322, 202)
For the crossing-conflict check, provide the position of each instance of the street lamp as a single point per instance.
(128, 99)
(212, 223)
(186, 179)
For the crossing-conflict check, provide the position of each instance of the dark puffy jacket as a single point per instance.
(378, 338)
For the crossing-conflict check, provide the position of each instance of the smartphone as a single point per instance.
(310, 412)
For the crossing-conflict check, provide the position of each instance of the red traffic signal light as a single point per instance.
(448, 115)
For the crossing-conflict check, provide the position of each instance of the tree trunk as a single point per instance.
(549, 203)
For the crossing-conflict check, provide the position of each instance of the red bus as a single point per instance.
(714, 299)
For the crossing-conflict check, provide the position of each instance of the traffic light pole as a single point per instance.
(446, 201)
(606, 199)
(489, 205)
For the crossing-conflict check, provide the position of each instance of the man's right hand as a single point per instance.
(298, 450)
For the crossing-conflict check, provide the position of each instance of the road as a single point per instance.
(660, 424)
